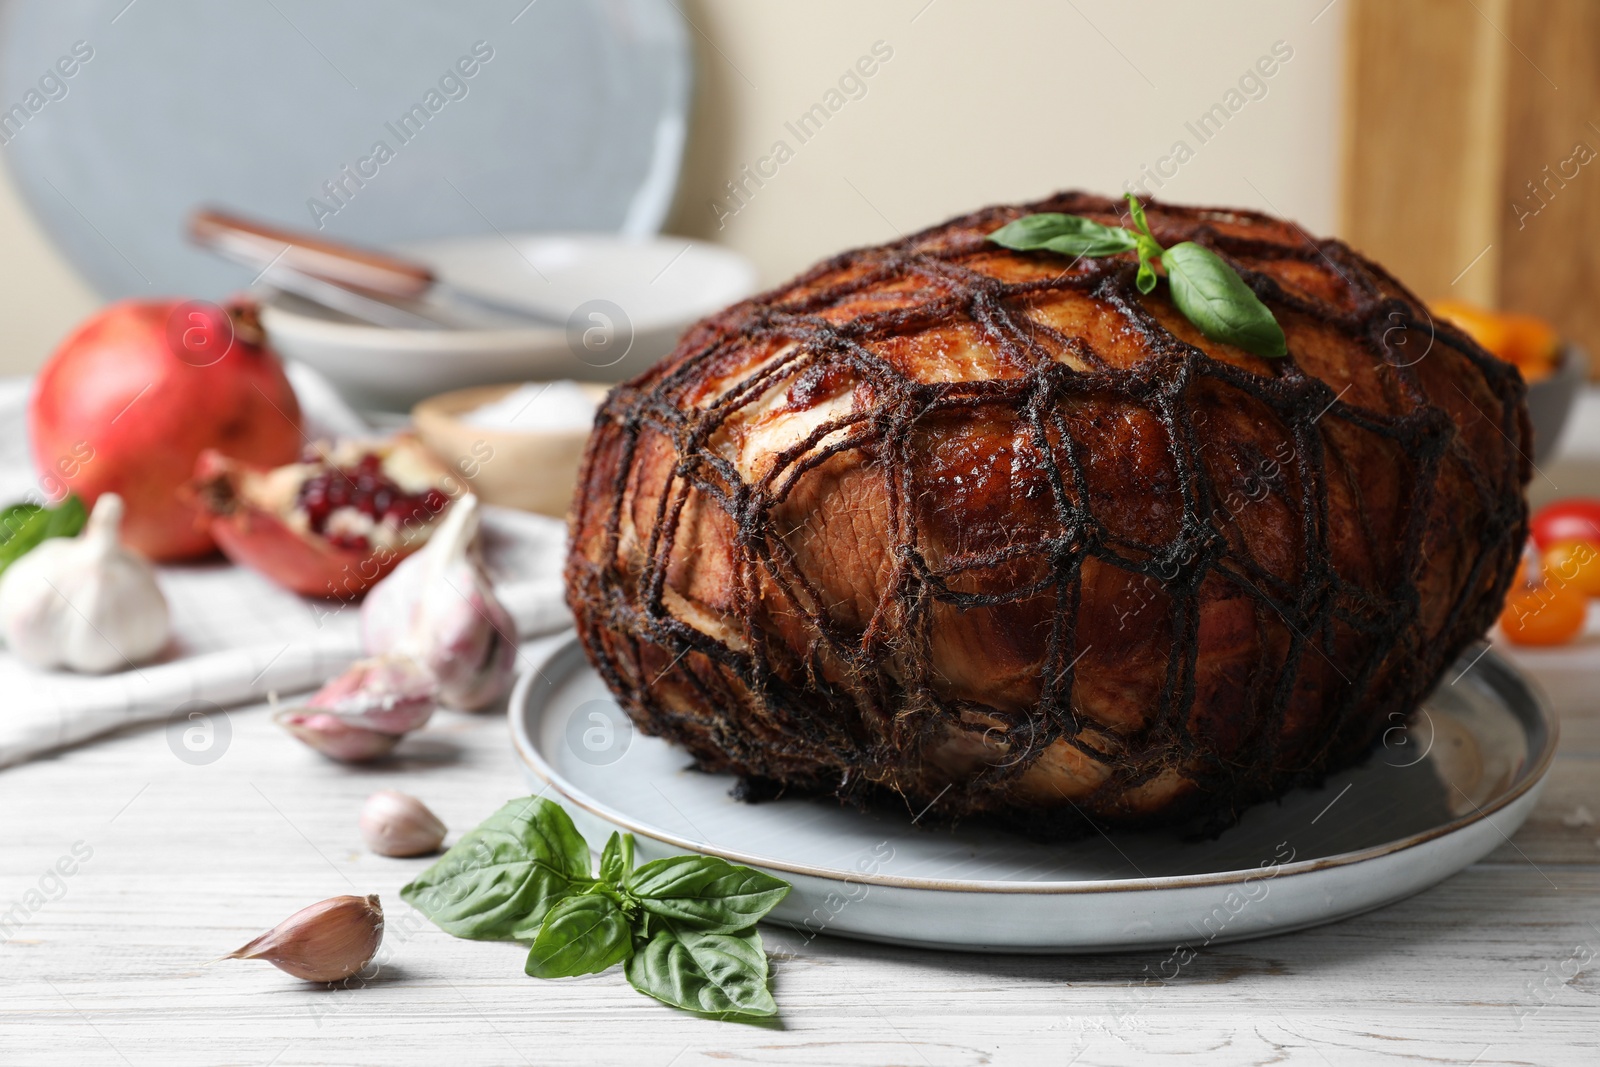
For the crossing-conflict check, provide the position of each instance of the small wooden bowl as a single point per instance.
(534, 470)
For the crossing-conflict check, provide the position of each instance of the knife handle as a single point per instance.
(259, 245)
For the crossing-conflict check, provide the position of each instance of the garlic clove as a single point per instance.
(396, 824)
(335, 738)
(393, 694)
(362, 714)
(439, 607)
(326, 942)
(85, 603)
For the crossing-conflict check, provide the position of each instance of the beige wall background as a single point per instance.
(980, 101)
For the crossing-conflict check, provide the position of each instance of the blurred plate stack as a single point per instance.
(377, 125)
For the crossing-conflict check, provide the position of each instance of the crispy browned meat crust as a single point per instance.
(994, 532)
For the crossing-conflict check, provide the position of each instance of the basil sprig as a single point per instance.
(684, 927)
(1205, 289)
(23, 527)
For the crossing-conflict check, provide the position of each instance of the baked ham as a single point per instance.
(989, 533)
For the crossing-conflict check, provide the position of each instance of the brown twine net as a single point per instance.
(993, 534)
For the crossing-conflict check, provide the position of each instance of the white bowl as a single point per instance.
(661, 285)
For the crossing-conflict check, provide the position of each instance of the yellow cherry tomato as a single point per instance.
(1543, 614)
(1526, 340)
(1575, 563)
(1480, 324)
(1531, 343)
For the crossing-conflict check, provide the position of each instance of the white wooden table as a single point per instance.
(1498, 965)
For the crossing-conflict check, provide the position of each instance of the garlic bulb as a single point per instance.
(397, 824)
(439, 607)
(84, 603)
(326, 942)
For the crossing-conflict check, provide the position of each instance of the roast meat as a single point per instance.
(981, 532)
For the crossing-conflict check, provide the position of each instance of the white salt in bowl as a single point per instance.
(515, 445)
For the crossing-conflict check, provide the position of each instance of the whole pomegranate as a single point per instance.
(136, 393)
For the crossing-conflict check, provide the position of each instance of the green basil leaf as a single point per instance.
(23, 527)
(1137, 211)
(720, 974)
(616, 862)
(67, 518)
(580, 935)
(1149, 248)
(1146, 278)
(500, 879)
(14, 517)
(706, 893)
(1213, 297)
(1070, 235)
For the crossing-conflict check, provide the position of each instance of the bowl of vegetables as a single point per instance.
(1554, 369)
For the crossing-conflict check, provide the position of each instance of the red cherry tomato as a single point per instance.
(1575, 519)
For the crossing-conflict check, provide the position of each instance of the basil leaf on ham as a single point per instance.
(1205, 289)
(1068, 235)
(1213, 297)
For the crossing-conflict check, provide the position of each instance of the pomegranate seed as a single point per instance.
(364, 488)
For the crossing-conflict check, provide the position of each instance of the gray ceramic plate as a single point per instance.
(572, 119)
(1439, 794)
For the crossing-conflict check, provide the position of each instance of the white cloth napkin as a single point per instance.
(235, 636)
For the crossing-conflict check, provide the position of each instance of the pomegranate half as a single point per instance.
(331, 524)
(136, 393)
